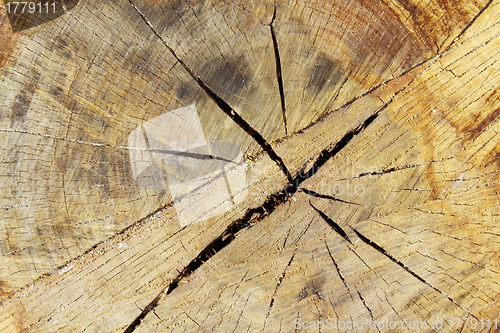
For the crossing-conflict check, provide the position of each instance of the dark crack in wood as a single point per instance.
(393, 169)
(332, 223)
(377, 247)
(279, 76)
(280, 280)
(107, 145)
(464, 30)
(367, 307)
(253, 216)
(327, 154)
(338, 269)
(325, 196)
(223, 105)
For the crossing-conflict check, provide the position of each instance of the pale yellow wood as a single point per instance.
(89, 79)
(156, 251)
(420, 181)
(436, 213)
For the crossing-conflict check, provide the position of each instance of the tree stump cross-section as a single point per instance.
(358, 147)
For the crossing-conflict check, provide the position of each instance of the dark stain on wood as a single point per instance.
(493, 158)
(475, 126)
(227, 76)
(312, 288)
(474, 129)
(188, 93)
(140, 62)
(60, 43)
(22, 101)
(304, 293)
(183, 90)
(62, 98)
(64, 47)
(325, 73)
(2, 285)
(57, 91)
(434, 22)
(166, 14)
(419, 17)
(494, 96)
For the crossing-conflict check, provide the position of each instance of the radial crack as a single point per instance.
(327, 154)
(251, 216)
(226, 108)
(209, 251)
(415, 275)
(469, 25)
(332, 223)
(107, 145)
(393, 169)
(338, 269)
(150, 307)
(366, 306)
(325, 196)
(279, 75)
(280, 280)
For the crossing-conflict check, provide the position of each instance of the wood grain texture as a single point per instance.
(419, 210)
(385, 114)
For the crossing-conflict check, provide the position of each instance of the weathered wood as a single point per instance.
(386, 121)
(422, 219)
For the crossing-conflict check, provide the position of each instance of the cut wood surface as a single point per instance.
(369, 138)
